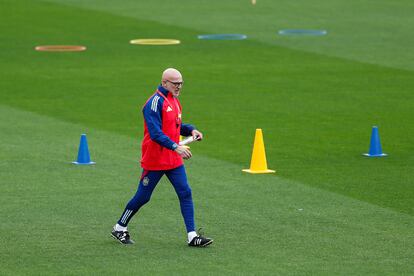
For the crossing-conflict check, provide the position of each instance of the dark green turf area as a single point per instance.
(316, 112)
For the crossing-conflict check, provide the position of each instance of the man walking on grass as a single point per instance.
(162, 154)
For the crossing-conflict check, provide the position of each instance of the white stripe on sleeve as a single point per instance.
(154, 103)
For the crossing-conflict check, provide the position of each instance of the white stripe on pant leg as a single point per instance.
(122, 219)
(129, 214)
(125, 216)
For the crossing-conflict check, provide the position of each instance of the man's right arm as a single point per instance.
(152, 112)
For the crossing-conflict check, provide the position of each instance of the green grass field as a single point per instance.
(328, 210)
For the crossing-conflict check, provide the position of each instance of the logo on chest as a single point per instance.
(169, 109)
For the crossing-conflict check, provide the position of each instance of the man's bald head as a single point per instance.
(172, 74)
(172, 81)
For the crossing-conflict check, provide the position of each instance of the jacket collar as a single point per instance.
(163, 90)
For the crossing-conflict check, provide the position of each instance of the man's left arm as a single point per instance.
(190, 130)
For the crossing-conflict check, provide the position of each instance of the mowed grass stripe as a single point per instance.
(260, 224)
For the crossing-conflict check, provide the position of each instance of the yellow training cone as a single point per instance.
(258, 163)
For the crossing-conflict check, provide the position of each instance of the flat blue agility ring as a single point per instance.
(222, 36)
(302, 32)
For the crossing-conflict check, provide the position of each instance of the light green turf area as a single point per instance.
(62, 213)
(378, 32)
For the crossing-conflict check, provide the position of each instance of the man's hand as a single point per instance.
(184, 152)
(197, 135)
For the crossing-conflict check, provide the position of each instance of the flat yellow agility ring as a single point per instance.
(155, 41)
(60, 48)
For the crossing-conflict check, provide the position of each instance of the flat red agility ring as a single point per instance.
(60, 48)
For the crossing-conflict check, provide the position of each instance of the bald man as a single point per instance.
(162, 154)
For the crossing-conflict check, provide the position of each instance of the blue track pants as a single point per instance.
(148, 182)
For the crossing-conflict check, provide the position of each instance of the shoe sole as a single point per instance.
(114, 237)
(210, 242)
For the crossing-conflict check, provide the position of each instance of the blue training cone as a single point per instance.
(375, 145)
(83, 153)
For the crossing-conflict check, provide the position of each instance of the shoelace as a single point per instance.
(200, 232)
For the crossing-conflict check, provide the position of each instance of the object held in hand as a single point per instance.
(187, 140)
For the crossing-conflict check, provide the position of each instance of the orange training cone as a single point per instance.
(258, 163)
